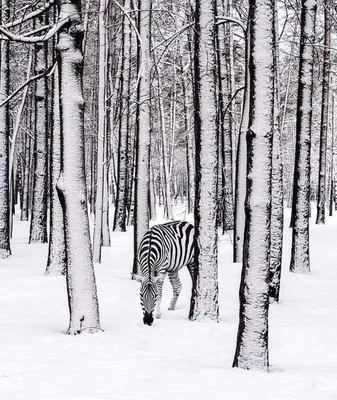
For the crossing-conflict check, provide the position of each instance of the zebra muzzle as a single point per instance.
(148, 319)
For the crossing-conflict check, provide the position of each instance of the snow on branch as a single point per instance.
(224, 19)
(31, 15)
(28, 81)
(34, 39)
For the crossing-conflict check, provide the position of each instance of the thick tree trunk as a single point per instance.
(5, 250)
(57, 260)
(320, 218)
(142, 209)
(300, 258)
(81, 285)
(38, 223)
(204, 301)
(252, 340)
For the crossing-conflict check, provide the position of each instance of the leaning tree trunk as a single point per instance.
(320, 218)
(141, 211)
(56, 263)
(252, 340)
(5, 249)
(300, 258)
(204, 301)
(81, 284)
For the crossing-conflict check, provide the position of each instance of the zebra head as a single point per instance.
(148, 295)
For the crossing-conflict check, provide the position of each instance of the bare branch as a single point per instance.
(224, 19)
(31, 15)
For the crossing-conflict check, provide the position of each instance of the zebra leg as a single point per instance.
(159, 295)
(191, 270)
(176, 286)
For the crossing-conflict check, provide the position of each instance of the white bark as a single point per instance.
(204, 302)
(5, 250)
(143, 141)
(81, 285)
(252, 340)
(97, 239)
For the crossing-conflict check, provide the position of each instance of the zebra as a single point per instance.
(164, 249)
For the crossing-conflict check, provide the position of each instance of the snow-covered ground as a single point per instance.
(175, 358)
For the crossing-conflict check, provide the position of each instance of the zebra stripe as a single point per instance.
(164, 249)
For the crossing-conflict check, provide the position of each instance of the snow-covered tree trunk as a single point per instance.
(97, 238)
(81, 284)
(204, 301)
(142, 207)
(252, 340)
(300, 257)
(123, 142)
(5, 249)
(56, 263)
(38, 223)
(26, 178)
(320, 218)
(276, 223)
(241, 165)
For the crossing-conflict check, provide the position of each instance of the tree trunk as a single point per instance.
(241, 166)
(276, 224)
(320, 218)
(81, 285)
(252, 340)
(5, 250)
(300, 258)
(204, 301)
(57, 261)
(38, 223)
(141, 212)
(123, 142)
(97, 238)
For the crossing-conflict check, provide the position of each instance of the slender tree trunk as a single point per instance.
(241, 166)
(81, 284)
(143, 140)
(38, 223)
(123, 142)
(320, 218)
(204, 301)
(276, 223)
(97, 239)
(300, 257)
(57, 260)
(252, 340)
(5, 250)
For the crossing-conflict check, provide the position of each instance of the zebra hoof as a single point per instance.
(171, 308)
(158, 316)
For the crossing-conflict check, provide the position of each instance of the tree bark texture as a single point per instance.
(320, 217)
(276, 223)
(38, 223)
(81, 284)
(204, 301)
(5, 250)
(57, 260)
(142, 212)
(300, 257)
(252, 340)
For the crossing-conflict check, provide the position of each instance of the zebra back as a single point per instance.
(166, 247)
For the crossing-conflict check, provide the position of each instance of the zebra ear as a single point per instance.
(138, 278)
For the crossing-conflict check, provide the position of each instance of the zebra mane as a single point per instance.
(149, 256)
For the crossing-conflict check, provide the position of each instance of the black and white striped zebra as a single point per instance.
(164, 249)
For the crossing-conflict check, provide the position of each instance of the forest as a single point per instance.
(138, 137)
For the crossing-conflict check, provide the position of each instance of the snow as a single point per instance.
(175, 358)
